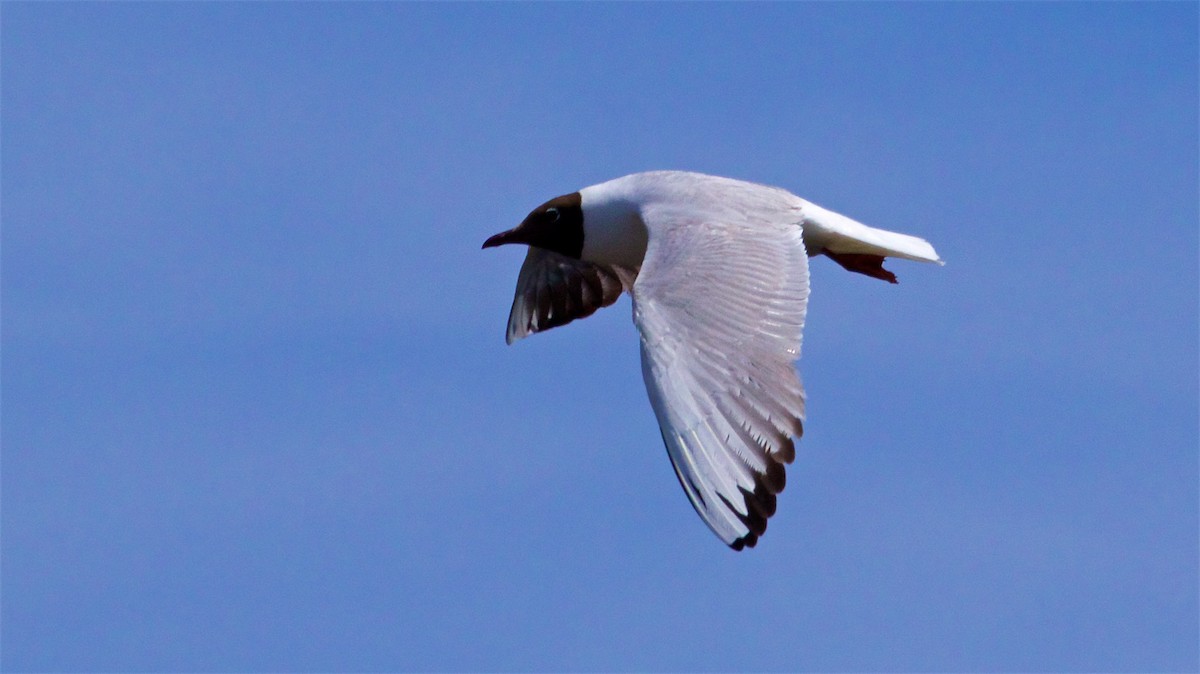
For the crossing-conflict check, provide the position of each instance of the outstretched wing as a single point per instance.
(720, 304)
(553, 290)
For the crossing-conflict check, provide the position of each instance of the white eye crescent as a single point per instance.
(552, 213)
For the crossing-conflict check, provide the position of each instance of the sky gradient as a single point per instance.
(258, 413)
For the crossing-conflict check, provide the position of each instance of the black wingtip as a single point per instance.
(747, 541)
(773, 481)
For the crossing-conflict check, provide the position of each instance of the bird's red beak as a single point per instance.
(511, 236)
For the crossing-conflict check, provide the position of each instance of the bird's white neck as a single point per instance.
(613, 230)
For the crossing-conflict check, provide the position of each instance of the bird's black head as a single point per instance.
(556, 225)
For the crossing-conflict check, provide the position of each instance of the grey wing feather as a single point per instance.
(720, 306)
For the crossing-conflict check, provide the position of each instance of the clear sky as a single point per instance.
(258, 413)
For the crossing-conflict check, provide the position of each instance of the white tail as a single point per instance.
(826, 231)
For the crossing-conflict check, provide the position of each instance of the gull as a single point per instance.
(718, 272)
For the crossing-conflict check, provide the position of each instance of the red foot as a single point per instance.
(871, 265)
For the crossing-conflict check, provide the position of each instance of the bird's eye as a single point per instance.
(552, 213)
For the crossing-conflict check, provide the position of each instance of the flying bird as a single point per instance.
(718, 272)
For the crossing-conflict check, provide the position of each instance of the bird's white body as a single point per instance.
(617, 234)
(718, 271)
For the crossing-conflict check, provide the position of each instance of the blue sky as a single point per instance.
(258, 413)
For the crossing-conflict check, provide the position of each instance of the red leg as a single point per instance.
(871, 265)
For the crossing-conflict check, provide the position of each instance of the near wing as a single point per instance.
(553, 290)
(720, 307)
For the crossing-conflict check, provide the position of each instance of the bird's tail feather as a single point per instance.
(828, 232)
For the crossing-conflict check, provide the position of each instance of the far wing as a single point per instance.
(720, 306)
(553, 290)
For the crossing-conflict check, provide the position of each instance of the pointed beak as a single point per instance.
(511, 236)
